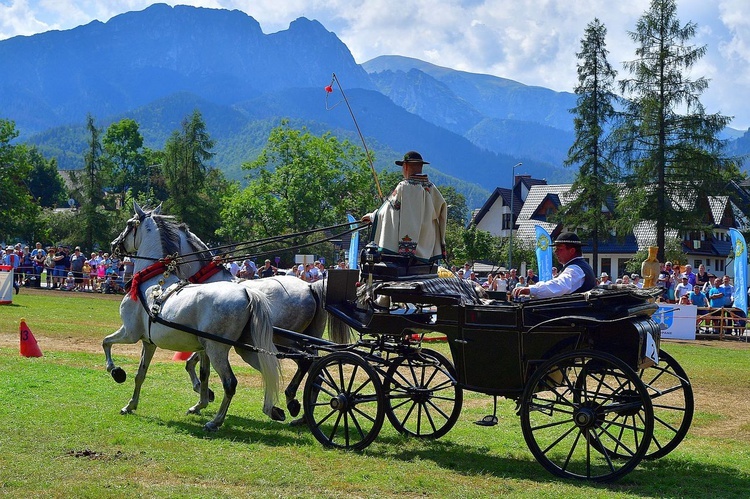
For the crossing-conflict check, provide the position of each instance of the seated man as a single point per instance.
(411, 221)
(576, 276)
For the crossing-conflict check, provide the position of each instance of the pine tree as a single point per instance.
(669, 143)
(595, 184)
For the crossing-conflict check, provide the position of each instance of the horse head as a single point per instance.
(136, 232)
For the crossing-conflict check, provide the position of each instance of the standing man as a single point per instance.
(531, 278)
(77, 259)
(576, 276)
(412, 220)
(267, 270)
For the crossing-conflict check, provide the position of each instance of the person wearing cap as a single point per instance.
(604, 278)
(682, 288)
(70, 283)
(576, 275)
(412, 220)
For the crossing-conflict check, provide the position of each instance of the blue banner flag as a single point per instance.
(543, 253)
(740, 269)
(354, 244)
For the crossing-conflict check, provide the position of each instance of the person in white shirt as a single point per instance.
(576, 276)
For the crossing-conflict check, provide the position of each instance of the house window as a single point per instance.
(698, 263)
(607, 267)
(720, 265)
(506, 221)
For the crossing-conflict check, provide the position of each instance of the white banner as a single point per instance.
(6, 287)
(677, 322)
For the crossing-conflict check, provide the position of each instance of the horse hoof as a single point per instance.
(277, 414)
(118, 374)
(210, 427)
(298, 422)
(211, 395)
(294, 407)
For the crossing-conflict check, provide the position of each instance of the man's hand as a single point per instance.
(366, 218)
(518, 291)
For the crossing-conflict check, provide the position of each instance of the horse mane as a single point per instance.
(170, 230)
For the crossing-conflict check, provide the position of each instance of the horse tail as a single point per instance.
(260, 329)
(337, 329)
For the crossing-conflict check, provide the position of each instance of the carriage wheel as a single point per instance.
(672, 399)
(421, 394)
(343, 401)
(572, 413)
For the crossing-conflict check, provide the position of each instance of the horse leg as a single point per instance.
(190, 368)
(120, 336)
(292, 404)
(202, 387)
(147, 353)
(269, 409)
(219, 356)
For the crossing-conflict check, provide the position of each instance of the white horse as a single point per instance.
(210, 318)
(295, 304)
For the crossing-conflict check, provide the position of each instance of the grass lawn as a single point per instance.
(63, 435)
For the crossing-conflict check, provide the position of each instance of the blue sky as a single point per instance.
(530, 41)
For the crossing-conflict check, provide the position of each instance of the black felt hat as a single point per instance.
(412, 157)
(568, 238)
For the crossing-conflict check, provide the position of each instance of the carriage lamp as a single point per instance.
(372, 253)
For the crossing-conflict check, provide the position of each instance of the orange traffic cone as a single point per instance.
(182, 355)
(29, 346)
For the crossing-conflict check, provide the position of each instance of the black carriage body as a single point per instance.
(496, 345)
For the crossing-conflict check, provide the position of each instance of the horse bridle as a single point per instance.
(132, 225)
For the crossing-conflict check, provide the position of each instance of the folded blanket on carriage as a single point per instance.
(469, 293)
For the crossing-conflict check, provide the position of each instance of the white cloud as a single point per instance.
(531, 41)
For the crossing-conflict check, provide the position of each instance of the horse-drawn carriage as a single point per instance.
(594, 392)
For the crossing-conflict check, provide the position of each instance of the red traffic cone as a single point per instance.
(182, 355)
(29, 346)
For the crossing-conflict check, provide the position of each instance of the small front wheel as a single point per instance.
(421, 394)
(343, 401)
(587, 415)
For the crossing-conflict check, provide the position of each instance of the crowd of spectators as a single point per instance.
(60, 268)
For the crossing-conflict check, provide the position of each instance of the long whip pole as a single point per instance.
(361, 137)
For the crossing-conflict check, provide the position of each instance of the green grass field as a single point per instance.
(63, 435)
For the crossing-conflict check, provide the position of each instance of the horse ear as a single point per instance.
(157, 210)
(138, 210)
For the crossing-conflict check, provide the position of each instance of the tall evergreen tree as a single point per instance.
(89, 190)
(670, 144)
(595, 182)
(185, 168)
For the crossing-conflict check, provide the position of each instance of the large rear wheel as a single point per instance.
(343, 401)
(421, 394)
(572, 413)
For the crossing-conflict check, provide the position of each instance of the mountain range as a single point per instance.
(159, 64)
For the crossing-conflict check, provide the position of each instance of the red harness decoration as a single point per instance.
(206, 272)
(144, 275)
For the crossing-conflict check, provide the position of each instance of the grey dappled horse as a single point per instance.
(231, 311)
(295, 304)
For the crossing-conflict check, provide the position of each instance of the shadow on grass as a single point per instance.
(243, 429)
(667, 477)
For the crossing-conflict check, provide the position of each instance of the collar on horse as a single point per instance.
(156, 268)
(206, 272)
